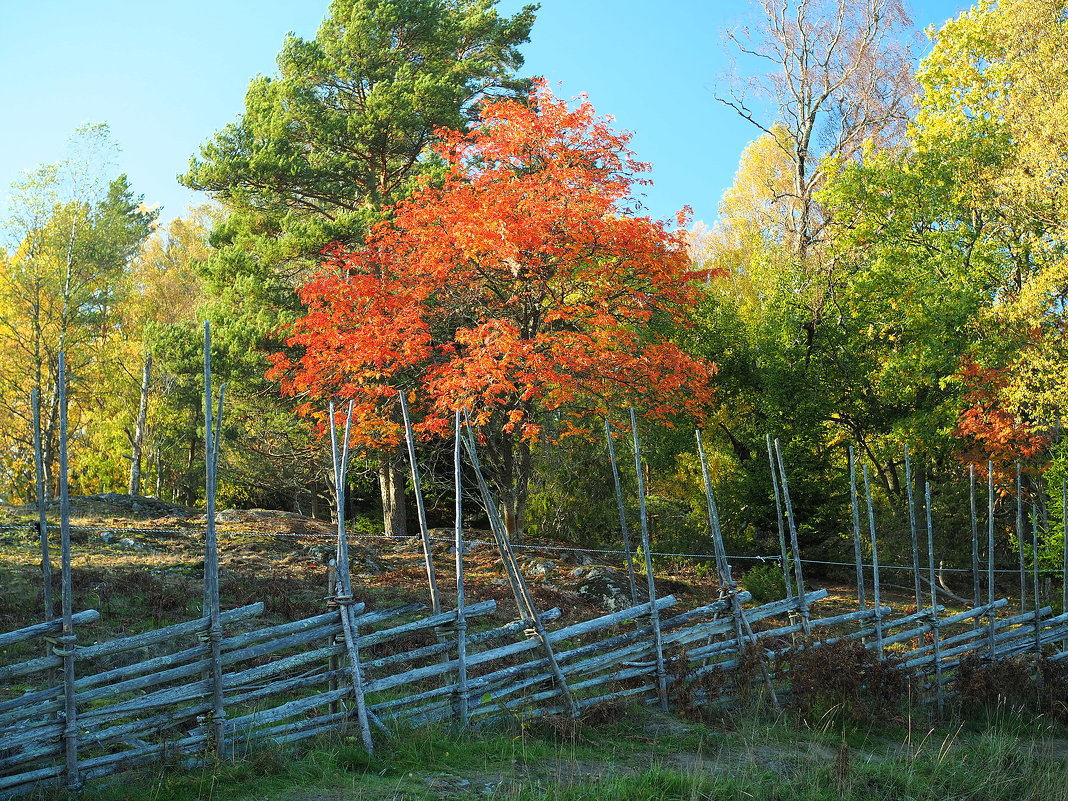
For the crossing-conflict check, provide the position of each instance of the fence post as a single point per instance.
(935, 633)
(778, 520)
(523, 598)
(799, 576)
(628, 552)
(435, 596)
(990, 556)
(875, 566)
(1020, 539)
(914, 531)
(975, 538)
(42, 508)
(857, 551)
(344, 578)
(66, 641)
(212, 431)
(654, 613)
(1034, 573)
(461, 615)
(725, 577)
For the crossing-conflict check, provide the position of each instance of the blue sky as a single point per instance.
(165, 76)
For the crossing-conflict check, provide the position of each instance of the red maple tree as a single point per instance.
(523, 286)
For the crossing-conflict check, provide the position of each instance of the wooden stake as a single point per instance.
(428, 558)
(778, 520)
(990, 554)
(875, 566)
(1020, 538)
(798, 574)
(627, 550)
(523, 598)
(42, 508)
(726, 579)
(344, 575)
(211, 553)
(67, 639)
(975, 537)
(857, 550)
(1034, 572)
(939, 696)
(654, 614)
(914, 531)
(461, 617)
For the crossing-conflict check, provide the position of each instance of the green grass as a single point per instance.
(639, 756)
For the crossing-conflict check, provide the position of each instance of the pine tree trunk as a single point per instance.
(137, 446)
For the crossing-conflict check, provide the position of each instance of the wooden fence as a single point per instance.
(214, 687)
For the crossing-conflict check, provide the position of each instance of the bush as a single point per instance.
(765, 583)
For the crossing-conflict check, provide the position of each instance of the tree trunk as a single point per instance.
(515, 487)
(391, 480)
(137, 446)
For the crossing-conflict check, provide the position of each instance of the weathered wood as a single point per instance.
(778, 519)
(875, 565)
(49, 627)
(1020, 537)
(799, 576)
(913, 530)
(67, 638)
(628, 552)
(424, 531)
(461, 609)
(49, 606)
(990, 552)
(935, 632)
(654, 614)
(858, 553)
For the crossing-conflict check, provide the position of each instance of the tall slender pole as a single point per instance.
(935, 633)
(726, 580)
(523, 598)
(461, 615)
(42, 508)
(875, 565)
(1020, 539)
(778, 519)
(67, 640)
(858, 553)
(799, 576)
(627, 550)
(654, 613)
(975, 537)
(914, 531)
(1064, 552)
(1034, 571)
(344, 576)
(990, 556)
(211, 553)
(428, 558)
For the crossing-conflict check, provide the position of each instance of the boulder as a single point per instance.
(604, 586)
(538, 567)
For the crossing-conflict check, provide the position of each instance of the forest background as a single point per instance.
(888, 268)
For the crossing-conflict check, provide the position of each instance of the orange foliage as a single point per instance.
(990, 432)
(523, 282)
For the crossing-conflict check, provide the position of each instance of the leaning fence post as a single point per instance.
(914, 531)
(461, 616)
(778, 520)
(627, 550)
(66, 641)
(875, 566)
(42, 508)
(435, 596)
(344, 578)
(211, 552)
(523, 598)
(991, 614)
(857, 551)
(935, 634)
(798, 574)
(725, 577)
(1020, 539)
(654, 613)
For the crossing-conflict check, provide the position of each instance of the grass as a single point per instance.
(640, 756)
